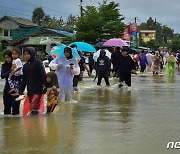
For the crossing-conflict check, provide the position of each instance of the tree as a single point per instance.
(175, 44)
(70, 23)
(112, 20)
(88, 26)
(153, 44)
(99, 24)
(53, 23)
(163, 32)
(38, 16)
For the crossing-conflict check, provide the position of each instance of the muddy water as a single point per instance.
(102, 120)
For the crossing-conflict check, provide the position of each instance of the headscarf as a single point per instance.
(7, 66)
(54, 80)
(70, 52)
(32, 53)
(102, 51)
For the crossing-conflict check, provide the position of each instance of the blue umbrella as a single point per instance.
(58, 51)
(83, 46)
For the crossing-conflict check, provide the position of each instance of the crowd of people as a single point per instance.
(66, 72)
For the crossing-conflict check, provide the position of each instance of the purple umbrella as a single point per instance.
(115, 42)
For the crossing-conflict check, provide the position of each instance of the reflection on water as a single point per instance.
(103, 120)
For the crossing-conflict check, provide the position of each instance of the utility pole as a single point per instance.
(81, 7)
(135, 19)
(136, 36)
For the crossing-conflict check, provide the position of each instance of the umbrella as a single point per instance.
(58, 51)
(100, 45)
(96, 54)
(115, 42)
(83, 46)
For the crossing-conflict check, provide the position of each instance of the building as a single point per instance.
(7, 24)
(147, 35)
(23, 32)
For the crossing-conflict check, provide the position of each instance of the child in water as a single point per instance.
(52, 92)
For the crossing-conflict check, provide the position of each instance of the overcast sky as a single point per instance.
(165, 11)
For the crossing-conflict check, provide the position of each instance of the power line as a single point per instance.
(92, 2)
(96, 2)
(81, 7)
(14, 13)
(36, 5)
(28, 11)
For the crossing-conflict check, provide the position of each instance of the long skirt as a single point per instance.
(65, 95)
(33, 104)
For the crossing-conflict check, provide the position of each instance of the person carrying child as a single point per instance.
(10, 105)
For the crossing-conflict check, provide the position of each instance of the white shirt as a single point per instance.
(149, 58)
(16, 63)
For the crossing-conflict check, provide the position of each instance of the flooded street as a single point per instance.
(102, 120)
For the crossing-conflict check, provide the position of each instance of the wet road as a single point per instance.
(103, 120)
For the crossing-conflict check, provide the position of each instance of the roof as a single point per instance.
(20, 21)
(21, 34)
(24, 32)
(62, 32)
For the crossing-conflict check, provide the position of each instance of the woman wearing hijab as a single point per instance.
(66, 67)
(9, 101)
(34, 77)
(52, 92)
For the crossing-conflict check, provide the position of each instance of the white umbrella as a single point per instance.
(96, 54)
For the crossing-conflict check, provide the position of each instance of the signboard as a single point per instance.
(43, 40)
(133, 27)
(126, 35)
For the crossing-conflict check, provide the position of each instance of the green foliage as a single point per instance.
(153, 44)
(68, 40)
(53, 23)
(150, 44)
(175, 44)
(38, 16)
(2, 51)
(163, 33)
(70, 23)
(98, 24)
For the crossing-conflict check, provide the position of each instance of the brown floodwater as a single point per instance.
(102, 120)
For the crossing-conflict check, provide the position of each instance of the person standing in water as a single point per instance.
(126, 66)
(82, 66)
(103, 67)
(66, 67)
(149, 58)
(10, 105)
(34, 77)
(114, 59)
(156, 65)
(143, 61)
